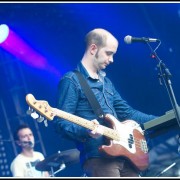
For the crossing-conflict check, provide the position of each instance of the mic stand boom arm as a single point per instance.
(165, 74)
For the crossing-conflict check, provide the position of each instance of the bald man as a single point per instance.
(99, 156)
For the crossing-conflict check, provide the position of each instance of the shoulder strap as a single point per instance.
(90, 95)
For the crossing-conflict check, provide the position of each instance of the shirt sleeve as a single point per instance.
(67, 101)
(125, 111)
(17, 169)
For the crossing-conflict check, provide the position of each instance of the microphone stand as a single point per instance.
(165, 74)
(166, 169)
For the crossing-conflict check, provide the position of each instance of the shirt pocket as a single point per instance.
(108, 94)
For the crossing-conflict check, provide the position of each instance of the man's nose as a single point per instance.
(29, 137)
(111, 60)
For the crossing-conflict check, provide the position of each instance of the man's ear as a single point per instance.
(93, 49)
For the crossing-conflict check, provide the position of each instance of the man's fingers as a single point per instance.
(97, 131)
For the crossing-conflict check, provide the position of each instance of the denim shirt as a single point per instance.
(72, 100)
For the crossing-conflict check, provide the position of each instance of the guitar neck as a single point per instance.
(110, 133)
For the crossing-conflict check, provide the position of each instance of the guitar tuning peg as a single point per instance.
(40, 119)
(29, 111)
(46, 123)
(34, 115)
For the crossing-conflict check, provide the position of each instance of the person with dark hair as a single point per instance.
(99, 157)
(24, 163)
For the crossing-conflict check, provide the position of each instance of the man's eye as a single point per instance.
(109, 53)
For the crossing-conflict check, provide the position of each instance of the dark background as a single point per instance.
(56, 31)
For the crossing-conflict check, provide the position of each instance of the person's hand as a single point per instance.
(97, 131)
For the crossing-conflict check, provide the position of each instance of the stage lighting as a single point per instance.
(4, 32)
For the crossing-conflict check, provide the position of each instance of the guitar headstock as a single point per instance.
(40, 106)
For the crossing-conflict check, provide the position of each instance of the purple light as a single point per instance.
(20, 49)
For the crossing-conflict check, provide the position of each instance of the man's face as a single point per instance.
(104, 55)
(26, 135)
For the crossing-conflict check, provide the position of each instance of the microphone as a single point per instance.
(129, 39)
(29, 143)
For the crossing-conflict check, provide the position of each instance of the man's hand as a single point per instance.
(98, 131)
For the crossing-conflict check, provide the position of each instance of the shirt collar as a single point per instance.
(83, 70)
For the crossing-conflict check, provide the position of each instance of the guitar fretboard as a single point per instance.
(110, 133)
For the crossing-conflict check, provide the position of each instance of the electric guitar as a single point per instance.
(125, 139)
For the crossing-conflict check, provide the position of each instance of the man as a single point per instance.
(24, 163)
(101, 46)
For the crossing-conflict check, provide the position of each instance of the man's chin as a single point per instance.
(103, 67)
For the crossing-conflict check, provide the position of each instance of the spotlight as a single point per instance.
(4, 32)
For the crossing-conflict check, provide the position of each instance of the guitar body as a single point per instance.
(132, 144)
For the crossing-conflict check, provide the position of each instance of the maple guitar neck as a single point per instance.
(108, 132)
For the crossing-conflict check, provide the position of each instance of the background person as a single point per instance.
(24, 163)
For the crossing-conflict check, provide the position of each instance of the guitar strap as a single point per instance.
(90, 95)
